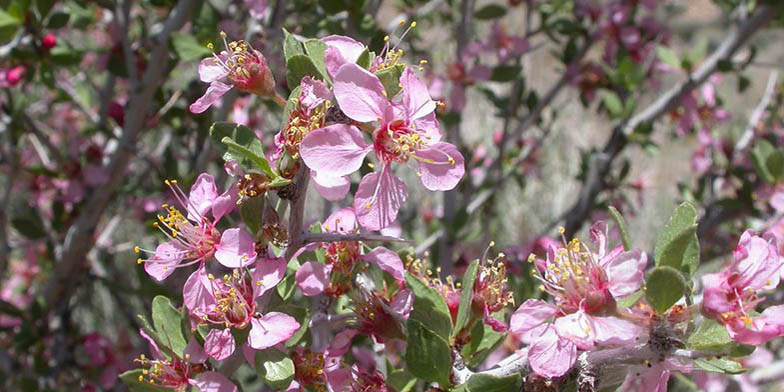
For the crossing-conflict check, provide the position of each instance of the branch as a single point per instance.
(80, 236)
(601, 162)
(337, 237)
(756, 115)
(297, 213)
(768, 374)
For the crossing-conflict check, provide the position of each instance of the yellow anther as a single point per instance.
(561, 230)
(141, 378)
(386, 38)
(223, 34)
(139, 260)
(136, 249)
(142, 357)
(413, 24)
(210, 46)
(371, 165)
(422, 62)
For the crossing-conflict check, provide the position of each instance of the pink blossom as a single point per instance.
(343, 260)
(238, 66)
(195, 239)
(180, 373)
(731, 295)
(653, 378)
(407, 130)
(10, 77)
(585, 286)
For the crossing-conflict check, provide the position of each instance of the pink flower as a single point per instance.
(490, 292)
(180, 373)
(730, 296)
(585, 286)
(380, 317)
(231, 304)
(12, 77)
(195, 239)
(653, 378)
(238, 66)
(406, 130)
(343, 260)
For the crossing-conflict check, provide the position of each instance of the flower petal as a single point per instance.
(615, 331)
(312, 278)
(271, 329)
(388, 261)
(212, 382)
(336, 150)
(416, 98)
(202, 196)
(196, 293)
(267, 274)
(210, 70)
(549, 355)
(219, 344)
(224, 203)
(236, 249)
(332, 188)
(626, 272)
(403, 303)
(378, 199)
(341, 221)
(576, 327)
(166, 259)
(360, 94)
(212, 95)
(531, 314)
(441, 166)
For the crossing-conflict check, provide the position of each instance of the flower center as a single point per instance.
(173, 373)
(301, 122)
(309, 369)
(234, 297)
(397, 142)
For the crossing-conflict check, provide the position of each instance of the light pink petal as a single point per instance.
(491, 321)
(271, 329)
(210, 70)
(714, 299)
(576, 327)
(333, 61)
(196, 293)
(349, 48)
(626, 272)
(428, 128)
(403, 303)
(598, 233)
(614, 331)
(213, 94)
(388, 261)
(416, 98)
(249, 353)
(166, 259)
(360, 94)
(332, 188)
(441, 166)
(760, 267)
(236, 249)
(226, 202)
(314, 92)
(195, 352)
(202, 196)
(645, 379)
(341, 344)
(336, 150)
(219, 344)
(531, 314)
(378, 199)
(312, 278)
(154, 350)
(267, 274)
(341, 221)
(212, 382)
(768, 326)
(549, 355)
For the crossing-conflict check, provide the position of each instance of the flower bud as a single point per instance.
(15, 75)
(48, 41)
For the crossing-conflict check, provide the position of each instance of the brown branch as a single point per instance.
(337, 237)
(602, 161)
(297, 212)
(80, 237)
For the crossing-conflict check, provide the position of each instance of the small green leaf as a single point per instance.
(187, 48)
(131, 379)
(712, 337)
(274, 368)
(401, 379)
(631, 299)
(64, 56)
(29, 227)
(490, 11)
(505, 73)
(390, 78)
(251, 211)
(299, 66)
(290, 105)
(612, 103)
(259, 161)
(627, 245)
(57, 20)
(466, 296)
(429, 307)
(667, 56)
(428, 355)
(487, 383)
(720, 365)
(365, 59)
(664, 287)
(316, 51)
(677, 245)
(166, 320)
(10, 309)
(7, 20)
(291, 46)
(238, 143)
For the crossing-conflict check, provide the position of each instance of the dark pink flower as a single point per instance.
(406, 130)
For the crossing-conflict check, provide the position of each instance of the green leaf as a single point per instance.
(300, 66)
(166, 320)
(131, 379)
(627, 245)
(290, 105)
(29, 227)
(316, 51)
(505, 73)
(667, 56)
(401, 379)
(7, 20)
(390, 78)
(238, 143)
(677, 245)
(768, 161)
(291, 46)
(490, 11)
(612, 103)
(64, 56)
(187, 48)
(365, 59)
(712, 337)
(259, 161)
(664, 287)
(428, 355)
(720, 365)
(10, 309)
(251, 211)
(429, 307)
(631, 299)
(487, 383)
(274, 367)
(466, 296)
(57, 20)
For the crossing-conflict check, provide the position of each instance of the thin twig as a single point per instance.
(756, 115)
(337, 237)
